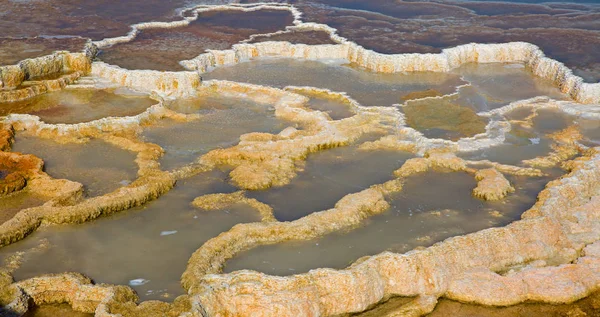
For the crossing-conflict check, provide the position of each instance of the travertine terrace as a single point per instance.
(550, 255)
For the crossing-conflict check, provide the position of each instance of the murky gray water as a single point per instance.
(222, 122)
(335, 109)
(146, 247)
(498, 84)
(327, 177)
(368, 88)
(525, 143)
(430, 208)
(11, 204)
(99, 166)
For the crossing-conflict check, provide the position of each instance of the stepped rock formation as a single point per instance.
(465, 268)
(222, 201)
(515, 52)
(70, 65)
(491, 185)
(551, 255)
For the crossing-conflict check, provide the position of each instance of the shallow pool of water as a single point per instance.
(327, 177)
(80, 105)
(498, 84)
(368, 88)
(146, 247)
(550, 120)
(99, 166)
(443, 118)
(590, 130)
(523, 143)
(222, 122)
(430, 208)
(336, 110)
(10, 205)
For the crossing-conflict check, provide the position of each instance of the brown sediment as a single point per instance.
(491, 185)
(421, 94)
(585, 307)
(213, 30)
(222, 201)
(16, 167)
(17, 49)
(73, 19)
(427, 114)
(180, 306)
